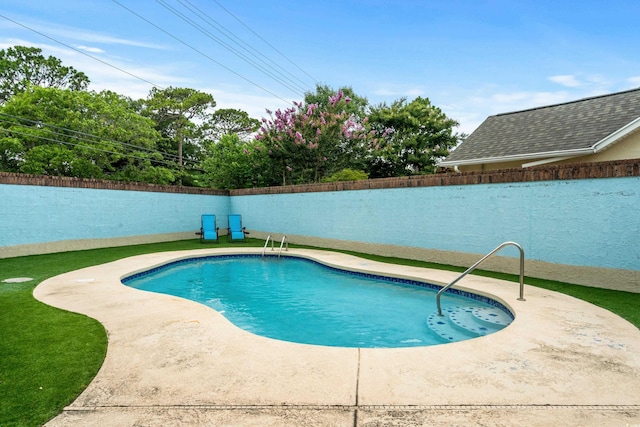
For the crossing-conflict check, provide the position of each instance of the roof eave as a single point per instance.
(625, 130)
(601, 145)
(518, 157)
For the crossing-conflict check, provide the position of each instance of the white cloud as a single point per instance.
(55, 31)
(566, 80)
(90, 49)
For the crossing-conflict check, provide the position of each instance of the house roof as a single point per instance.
(569, 129)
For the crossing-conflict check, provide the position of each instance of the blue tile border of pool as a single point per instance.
(399, 280)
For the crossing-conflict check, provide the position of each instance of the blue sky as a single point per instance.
(471, 58)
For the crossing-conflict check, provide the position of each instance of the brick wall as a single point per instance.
(100, 184)
(611, 169)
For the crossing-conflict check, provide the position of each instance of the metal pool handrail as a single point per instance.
(266, 242)
(281, 244)
(473, 267)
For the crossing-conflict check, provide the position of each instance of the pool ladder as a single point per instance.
(473, 267)
(282, 244)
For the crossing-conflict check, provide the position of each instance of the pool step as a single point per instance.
(460, 323)
(492, 316)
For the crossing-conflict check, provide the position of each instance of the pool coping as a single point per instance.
(562, 360)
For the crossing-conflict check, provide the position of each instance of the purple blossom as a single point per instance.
(334, 99)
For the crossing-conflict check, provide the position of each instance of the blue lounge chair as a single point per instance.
(235, 231)
(208, 229)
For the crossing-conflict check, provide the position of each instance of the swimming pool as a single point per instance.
(299, 300)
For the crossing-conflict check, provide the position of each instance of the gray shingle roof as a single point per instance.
(548, 130)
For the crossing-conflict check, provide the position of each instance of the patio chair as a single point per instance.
(236, 231)
(208, 230)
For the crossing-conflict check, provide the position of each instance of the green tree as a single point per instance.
(76, 133)
(177, 112)
(408, 138)
(21, 67)
(229, 121)
(346, 175)
(232, 163)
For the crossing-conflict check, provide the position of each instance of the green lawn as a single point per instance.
(48, 356)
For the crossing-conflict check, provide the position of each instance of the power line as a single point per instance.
(95, 138)
(44, 138)
(241, 43)
(266, 42)
(179, 40)
(80, 51)
(289, 85)
(200, 52)
(56, 131)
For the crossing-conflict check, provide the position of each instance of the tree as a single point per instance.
(175, 111)
(21, 67)
(230, 121)
(83, 134)
(232, 163)
(408, 138)
(346, 175)
(306, 142)
(356, 106)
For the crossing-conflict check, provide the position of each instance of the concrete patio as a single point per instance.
(172, 361)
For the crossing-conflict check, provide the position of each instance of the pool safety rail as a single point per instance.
(474, 266)
(266, 242)
(282, 245)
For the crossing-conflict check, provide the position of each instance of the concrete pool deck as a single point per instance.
(172, 361)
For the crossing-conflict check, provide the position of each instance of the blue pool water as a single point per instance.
(298, 300)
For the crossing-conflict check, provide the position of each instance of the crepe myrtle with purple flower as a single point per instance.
(307, 142)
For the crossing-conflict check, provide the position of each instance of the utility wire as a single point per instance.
(92, 137)
(80, 51)
(97, 140)
(44, 138)
(241, 43)
(228, 47)
(199, 51)
(266, 42)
